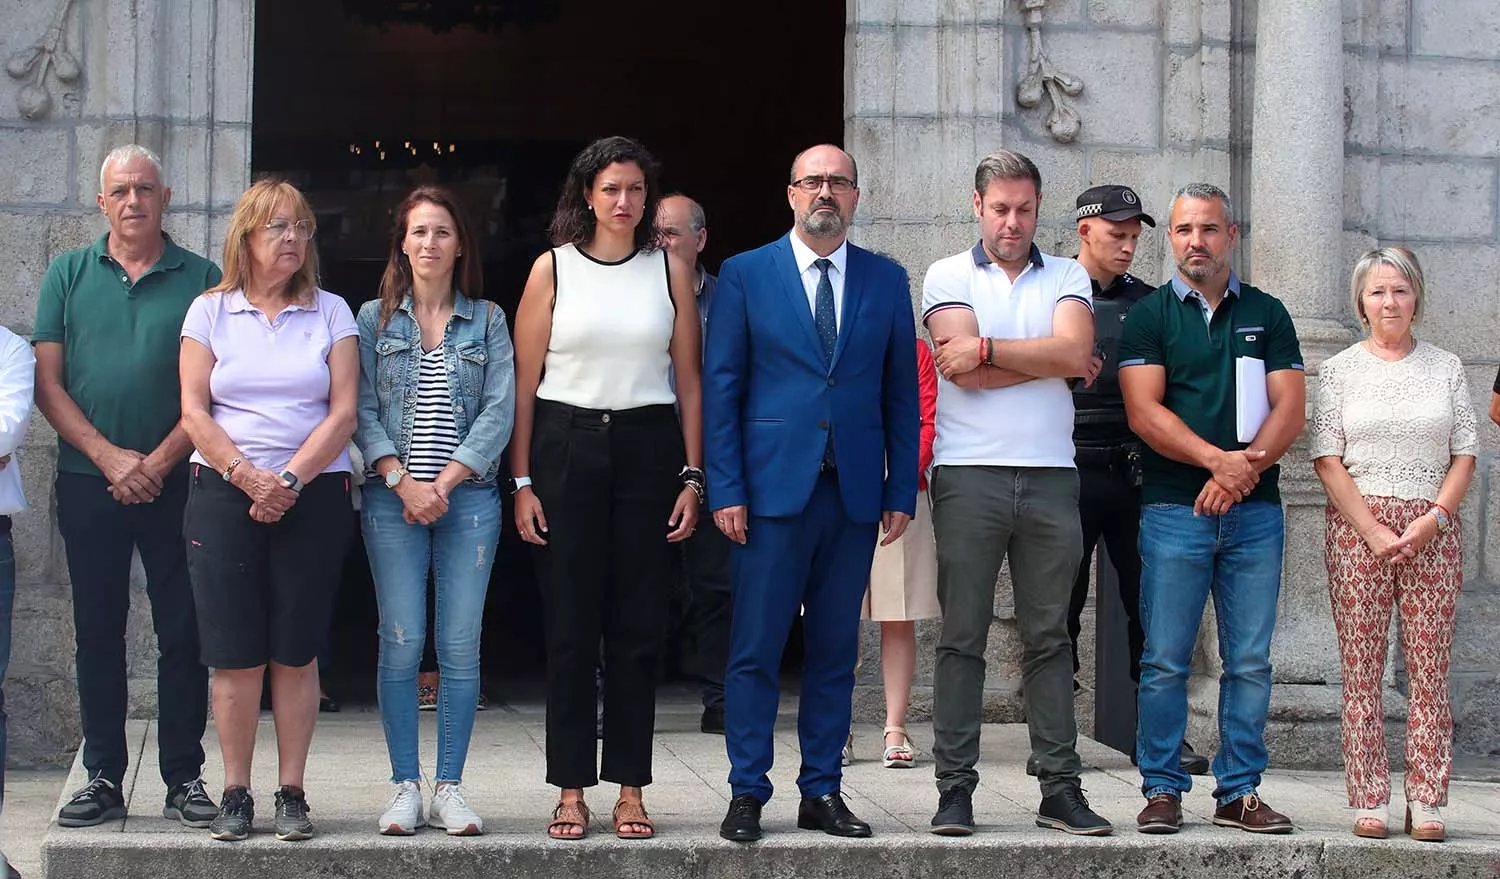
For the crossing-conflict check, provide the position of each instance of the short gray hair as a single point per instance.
(1005, 165)
(1398, 258)
(697, 219)
(125, 153)
(1207, 192)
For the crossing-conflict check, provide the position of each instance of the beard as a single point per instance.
(1201, 271)
(823, 224)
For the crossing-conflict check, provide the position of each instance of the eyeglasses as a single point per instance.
(837, 185)
(303, 229)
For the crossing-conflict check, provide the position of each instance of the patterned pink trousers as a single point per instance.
(1424, 590)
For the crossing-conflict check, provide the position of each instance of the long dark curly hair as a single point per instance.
(468, 270)
(573, 222)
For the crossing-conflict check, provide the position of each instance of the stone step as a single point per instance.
(347, 789)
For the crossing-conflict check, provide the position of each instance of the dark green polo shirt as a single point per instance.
(120, 341)
(1167, 328)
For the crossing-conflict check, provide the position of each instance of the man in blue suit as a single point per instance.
(811, 420)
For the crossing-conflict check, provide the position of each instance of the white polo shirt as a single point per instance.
(1024, 425)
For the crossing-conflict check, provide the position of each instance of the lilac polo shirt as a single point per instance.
(269, 385)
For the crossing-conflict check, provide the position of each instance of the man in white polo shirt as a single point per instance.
(1011, 325)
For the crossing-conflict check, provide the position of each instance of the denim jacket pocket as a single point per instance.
(393, 365)
(472, 358)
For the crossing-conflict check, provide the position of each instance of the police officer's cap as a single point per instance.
(1113, 203)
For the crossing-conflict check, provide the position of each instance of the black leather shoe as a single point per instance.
(742, 823)
(713, 721)
(1068, 810)
(829, 814)
(1192, 762)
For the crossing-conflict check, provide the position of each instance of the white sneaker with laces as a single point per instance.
(451, 811)
(404, 815)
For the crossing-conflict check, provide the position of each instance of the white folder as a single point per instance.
(1251, 403)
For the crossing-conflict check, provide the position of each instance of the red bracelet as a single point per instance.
(1446, 512)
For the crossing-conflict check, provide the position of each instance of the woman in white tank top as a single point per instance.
(607, 457)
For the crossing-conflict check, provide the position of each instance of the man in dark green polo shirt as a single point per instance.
(1211, 519)
(108, 324)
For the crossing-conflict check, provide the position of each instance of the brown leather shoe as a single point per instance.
(1163, 814)
(1250, 814)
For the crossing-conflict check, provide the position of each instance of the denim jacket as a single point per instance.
(481, 379)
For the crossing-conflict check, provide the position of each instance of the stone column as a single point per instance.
(1295, 244)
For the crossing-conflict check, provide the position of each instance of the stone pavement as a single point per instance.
(347, 789)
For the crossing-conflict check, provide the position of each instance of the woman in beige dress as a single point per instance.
(903, 588)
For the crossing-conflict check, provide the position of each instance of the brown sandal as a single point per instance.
(629, 812)
(569, 814)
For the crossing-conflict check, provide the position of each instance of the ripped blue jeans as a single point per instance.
(459, 550)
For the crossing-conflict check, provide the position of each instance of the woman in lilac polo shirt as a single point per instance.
(270, 375)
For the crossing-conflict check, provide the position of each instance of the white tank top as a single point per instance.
(611, 331)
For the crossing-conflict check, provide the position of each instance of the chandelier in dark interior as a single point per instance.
(445, 15)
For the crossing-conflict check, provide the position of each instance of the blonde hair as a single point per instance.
(1398, 258)
(251, 213)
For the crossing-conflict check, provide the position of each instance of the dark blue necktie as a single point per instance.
(823, 313)
(828, 334)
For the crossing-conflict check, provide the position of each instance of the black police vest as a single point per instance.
(1099, 410)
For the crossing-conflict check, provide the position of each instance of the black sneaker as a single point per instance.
(955, 813)
(236, 814)
(96, 802)
(189, 804)
(292, 823)
(1068, 810)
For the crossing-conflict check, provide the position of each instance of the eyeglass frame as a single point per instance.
(291, 225)
(832, 181)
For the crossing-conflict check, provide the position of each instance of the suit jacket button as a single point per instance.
(822, 425)
(831, 382)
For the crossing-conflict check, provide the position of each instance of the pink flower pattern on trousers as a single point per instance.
(1363, 590)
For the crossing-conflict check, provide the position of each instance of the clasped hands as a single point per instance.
(270, 498)
(1386, 544)
(1234, 477)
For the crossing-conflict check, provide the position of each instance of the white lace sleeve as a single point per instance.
(1465, 439)
(1326, 436)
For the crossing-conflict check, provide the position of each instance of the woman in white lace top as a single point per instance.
(1393, 440)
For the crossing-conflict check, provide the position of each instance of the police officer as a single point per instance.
(1108, 454)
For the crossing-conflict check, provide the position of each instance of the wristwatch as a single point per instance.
(1444, 521)
(519, 482)
(291, 481)
(393, 478)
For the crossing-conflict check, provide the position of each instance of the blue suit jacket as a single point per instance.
(769, 400)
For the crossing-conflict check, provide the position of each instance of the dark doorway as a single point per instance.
(356, 101)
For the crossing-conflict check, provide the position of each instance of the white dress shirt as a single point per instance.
(17, 381)
(810, 274)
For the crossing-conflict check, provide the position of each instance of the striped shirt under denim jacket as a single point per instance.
(481, 380)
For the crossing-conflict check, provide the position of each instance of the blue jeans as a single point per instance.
(459, 550)
(1237, 558)
(7, 598)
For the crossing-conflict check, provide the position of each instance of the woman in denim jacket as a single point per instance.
(436, 402)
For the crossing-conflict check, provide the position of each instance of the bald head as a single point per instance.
(824, 155)
(682, 226)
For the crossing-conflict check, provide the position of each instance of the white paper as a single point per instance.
(1251, 404)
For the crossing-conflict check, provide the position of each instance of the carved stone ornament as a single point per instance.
(1042, 77)
(32, 62)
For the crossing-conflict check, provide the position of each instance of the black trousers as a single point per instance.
(99, 534)
(607, 481)
(708, 570)
(1109, 507)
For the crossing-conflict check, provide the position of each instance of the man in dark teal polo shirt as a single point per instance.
(108, 324)
(1211, 519)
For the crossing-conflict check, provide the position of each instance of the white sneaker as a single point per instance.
(451, 811)
(404, 815)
